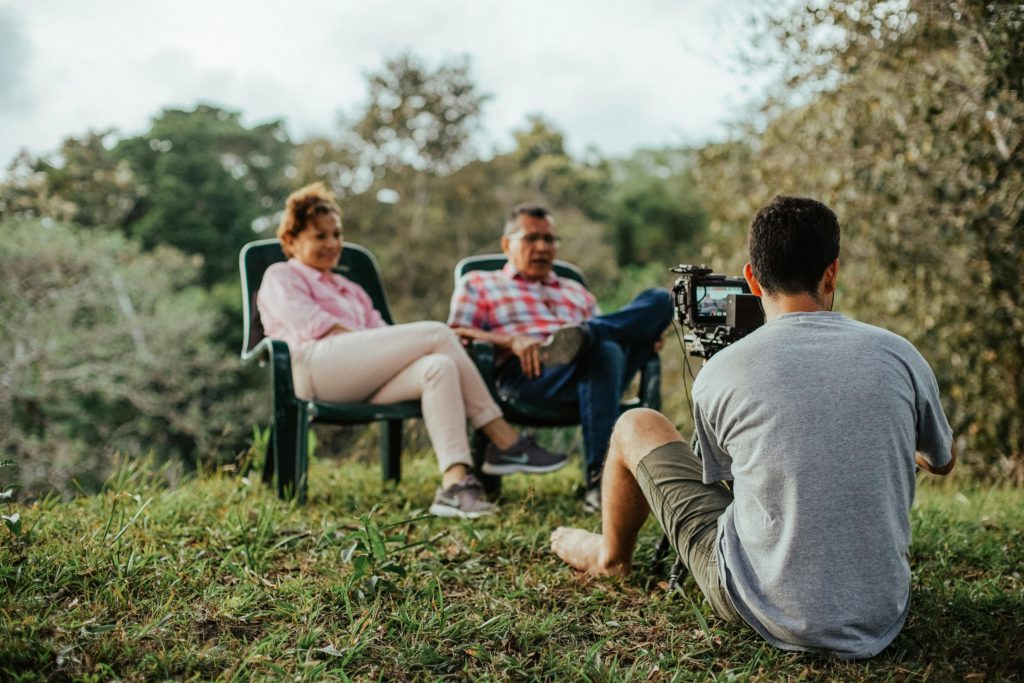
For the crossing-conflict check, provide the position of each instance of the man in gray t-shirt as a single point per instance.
(819, 422)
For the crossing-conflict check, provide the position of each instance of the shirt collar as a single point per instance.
(551, 280)
(314, 273)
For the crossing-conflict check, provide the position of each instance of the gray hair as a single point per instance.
(532, 210)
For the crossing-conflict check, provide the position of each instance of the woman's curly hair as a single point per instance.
(300, 209)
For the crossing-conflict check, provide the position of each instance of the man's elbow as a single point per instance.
(941, 470)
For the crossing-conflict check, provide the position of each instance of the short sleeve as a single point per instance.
(934, 435)
(468, 306)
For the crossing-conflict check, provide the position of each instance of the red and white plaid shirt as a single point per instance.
(506, 302)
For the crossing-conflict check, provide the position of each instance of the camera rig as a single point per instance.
(717, 309)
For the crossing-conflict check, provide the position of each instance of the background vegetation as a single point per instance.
(118, 273)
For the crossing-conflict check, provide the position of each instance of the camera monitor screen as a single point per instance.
(710, 301)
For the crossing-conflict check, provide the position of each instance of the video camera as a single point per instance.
(718, 309)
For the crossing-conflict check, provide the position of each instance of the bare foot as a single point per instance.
(582, 549)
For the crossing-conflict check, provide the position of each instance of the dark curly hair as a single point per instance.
(792, 241)
(300, 208)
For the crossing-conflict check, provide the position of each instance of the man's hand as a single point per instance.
(468, 334)
(527, 349)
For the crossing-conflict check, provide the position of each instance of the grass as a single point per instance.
(217, 579)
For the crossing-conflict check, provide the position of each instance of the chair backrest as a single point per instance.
(357, 264)
(497, 262)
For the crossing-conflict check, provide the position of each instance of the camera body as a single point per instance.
(717, 309)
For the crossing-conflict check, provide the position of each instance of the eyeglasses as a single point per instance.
(534, 237)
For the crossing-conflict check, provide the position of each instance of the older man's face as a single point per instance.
(532, 247)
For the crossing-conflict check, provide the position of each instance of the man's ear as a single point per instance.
(831, 276)
(504, 244)
(748, 275)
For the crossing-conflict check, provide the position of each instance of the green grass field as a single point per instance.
(217, 579)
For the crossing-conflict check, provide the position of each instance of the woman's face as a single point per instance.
(319, 244)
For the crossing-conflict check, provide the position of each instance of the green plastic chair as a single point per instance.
(541, 413)
(287, 456)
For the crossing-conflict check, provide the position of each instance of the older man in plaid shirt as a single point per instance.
(553, 342)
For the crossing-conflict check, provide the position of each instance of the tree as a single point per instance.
(205, 178)
(912, 130)
(105, 349)
(544, 168)
(83, 183)
(653, 208)
(418, 117)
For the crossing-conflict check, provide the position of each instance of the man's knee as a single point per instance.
(660, 303)
(640, 431)
(655, 308)
(606, 356)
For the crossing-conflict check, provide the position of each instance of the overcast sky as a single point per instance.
(613, 75)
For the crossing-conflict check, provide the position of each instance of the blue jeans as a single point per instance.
(620, 343)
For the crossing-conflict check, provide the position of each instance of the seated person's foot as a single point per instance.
(525, 455)
(463, 499)
(582, 550)
(564, 345)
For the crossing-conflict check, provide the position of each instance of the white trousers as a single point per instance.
(423, 360)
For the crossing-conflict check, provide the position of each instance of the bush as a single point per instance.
(105, 349)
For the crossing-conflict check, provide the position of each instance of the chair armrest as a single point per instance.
(276, 351)
(482, 354)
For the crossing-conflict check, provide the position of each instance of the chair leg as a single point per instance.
(492, 484)
(269, 458)
(291, 455)
(289, 428)
(391, 449)
(302, 455)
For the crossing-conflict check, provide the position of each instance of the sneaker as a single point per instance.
(592, 498)
(464, 499)
(564, 345)
(525, 455)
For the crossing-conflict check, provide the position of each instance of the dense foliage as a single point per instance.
(203, 180)
(106, 348)
(913, 131)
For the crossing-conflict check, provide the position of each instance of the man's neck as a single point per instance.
(781, 304)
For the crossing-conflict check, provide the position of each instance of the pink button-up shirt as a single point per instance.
(299, 304)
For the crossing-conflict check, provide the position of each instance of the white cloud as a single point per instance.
(609, 75)
(14, 59)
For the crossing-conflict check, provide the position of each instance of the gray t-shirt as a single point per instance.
(816, 419)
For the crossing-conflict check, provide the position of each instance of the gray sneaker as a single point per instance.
(564, 345)
(525, 455)
(464, 499)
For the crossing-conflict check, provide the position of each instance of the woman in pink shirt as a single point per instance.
(342, 350)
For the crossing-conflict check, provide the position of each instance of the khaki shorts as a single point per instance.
(688, 510)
